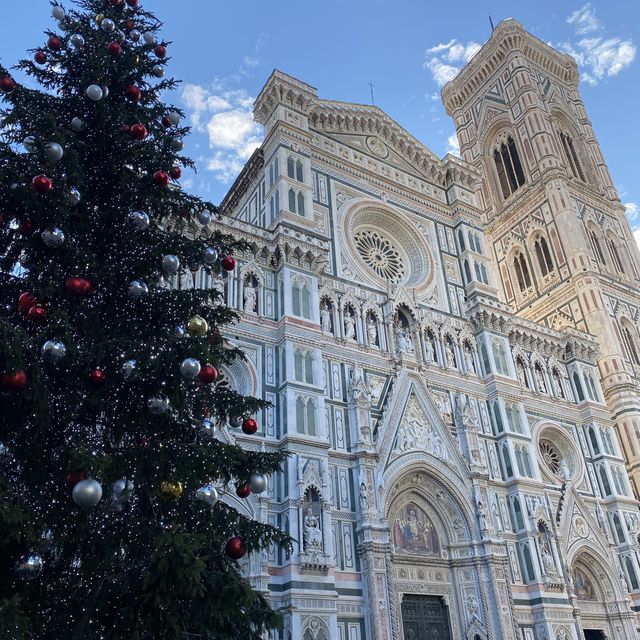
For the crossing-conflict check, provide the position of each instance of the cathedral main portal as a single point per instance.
(425, 618)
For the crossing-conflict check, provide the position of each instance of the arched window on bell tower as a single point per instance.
(543, 255)
(615, 253)
(522, 271)
(596, 247)
(572, 157)
(508, 166)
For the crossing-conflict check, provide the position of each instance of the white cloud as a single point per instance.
(633, 213)
(225, 115)
(453, 146)
(598, 57)
(445, 59)
(584, 20)
(636, 235)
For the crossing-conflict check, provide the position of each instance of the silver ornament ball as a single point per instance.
(137, 289)
(135, 35)
(128, 368)
(208, 494)
(30, 144)
(29, 566)
(210, 255)
(77, 40)
(77, 124)
(174, 118)
(54, 151)
(121, 490)
(204, 217)
(94, 92)
(258, 483)
(177, 144)
(105, 91)
(158, 405)
(87, 493)
(63, 25)
(189, 368)
(170, 263)
(235, 421)
(73, 196)
(158, 70)
(120, 35)
(57, 12)
(53, 351)
(139, 220)
(149, 38)
(53, 237)
(108, 25)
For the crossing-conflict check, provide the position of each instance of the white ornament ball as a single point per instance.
(174, 118)
(94, 92)
(53, 237)
(30, 144)
(29, 566)
(54, 151)
(77, 40)
(137, 289)
(139, 220)
(158, 70)
(135, 35)
(190, 368)
(208, 494)
(258, 483)
(210, 255)
(149, 37)
(158, 405)
(87, 493)
(204, 217)
(77, 124)
(170, 263)
(108, 25)
(53, 350)
(57, 12)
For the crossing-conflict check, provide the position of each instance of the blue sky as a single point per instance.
(224, 51)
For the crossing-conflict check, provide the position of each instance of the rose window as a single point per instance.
(550, 455)
(379, 255)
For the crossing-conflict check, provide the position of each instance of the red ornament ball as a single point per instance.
(26, 301)
(97, 376)
(25, 227)
(37, 313)
(160, 50)
(14, 382)
(77, 286)
(73, 477)
(7, 84)
(54, 43)
(243, 490)
(249, 426)
(235, 548)
(161, 179)
(138, 132)
(132, 92)
(41, 184)
(166, 123)
(129, 25)
(208, 374)
(228, 263)
(114, 49)
(175, 172)
(40, 57)
(133, 3)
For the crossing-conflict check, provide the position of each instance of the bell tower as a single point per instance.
(562, 247)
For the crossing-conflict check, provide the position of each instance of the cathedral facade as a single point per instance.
(450, 349)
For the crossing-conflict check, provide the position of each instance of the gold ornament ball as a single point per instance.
(171, 490)
(100, 18)
(197, 326)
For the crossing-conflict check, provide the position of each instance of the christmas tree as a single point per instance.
(112, 397)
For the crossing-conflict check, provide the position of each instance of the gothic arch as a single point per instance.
(242, 376)
(522, 277)
(252, 269)
(563, 122)
(606, 583)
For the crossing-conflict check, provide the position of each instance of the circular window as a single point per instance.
(550, 455)
(379, 254)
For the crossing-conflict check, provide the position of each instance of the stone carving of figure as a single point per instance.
(623, 580)
(429, 351)
(469, 364)
(451, 356)
(557, 387)
(482, 515)
(325, 319)
(548, 562)
(349, 326)
(542, 387)
(249, 299)
(372, 331)
(360, 390)
(497, 518)
(403, 339)
(312, 533)
(364, 498)
(474, 606)
(600, 518)
(186, 279)
(564, 473)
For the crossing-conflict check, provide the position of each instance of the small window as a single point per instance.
(290, 167)
(595, 246)
(578, 386)
(292, 201)
(517, 511)
(500, 357)
(606, 486)
(508, 467)
(615, 254)
(628, 338)
(467, 272)
(299, 174)
(617, 525)
(594, 441)
(461, 240)
(508, 167)
(631, 572)
(522, 271)
(306, 416)
(572, 157)
(497, 417)
(528, 562)
(301, 300)
(543, 255)
(300, 203)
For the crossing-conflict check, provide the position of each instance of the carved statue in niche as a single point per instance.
(312, 531)
(349, 325)
(372, 330)
(359, 389)
(469, 363)
(413, 531)
(430, 354)
(403, 338)
(250, 297)
(451, 355)
(325, 318)
(522, 374)
(541, 384)
(364, 498)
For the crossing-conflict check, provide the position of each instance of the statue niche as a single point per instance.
(414, 533)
